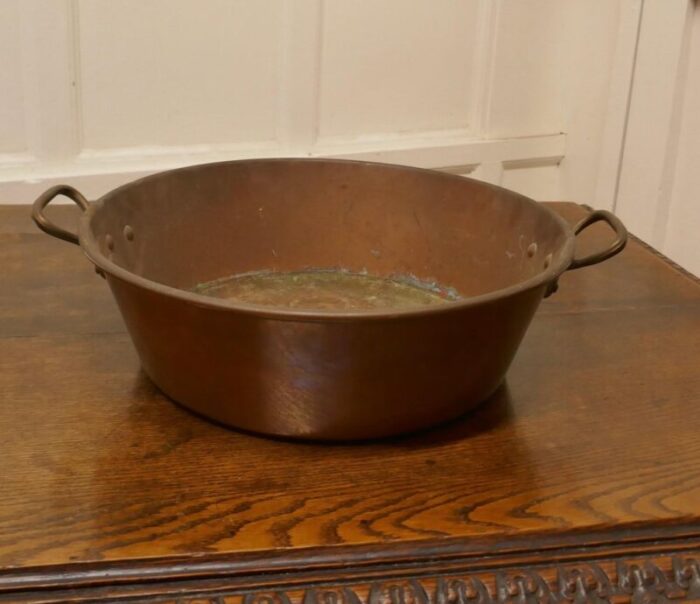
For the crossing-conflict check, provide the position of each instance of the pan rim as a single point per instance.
(89, 245)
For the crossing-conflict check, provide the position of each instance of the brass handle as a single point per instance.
(45, 199)
(614, 248)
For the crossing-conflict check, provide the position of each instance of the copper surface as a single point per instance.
(325, 374)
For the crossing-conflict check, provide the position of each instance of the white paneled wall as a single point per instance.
(679, 233)
(418, 74)
(588, 100)
(12, 132)
(528, 68)
(101, 92)
(166, 73)
(658, 188)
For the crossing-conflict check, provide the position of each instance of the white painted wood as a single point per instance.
(49, 63)
(682, 231)
(441, 153)
(488, 171)
(651, 137)
(113, 90)
(600, 46)
(116, 90)
(176, 72)
(540, 182)
(487, 20)
(12, 125)
(668, 173)
(98, 172)
(397, 66)
(299, 73)
(527, 91)
(610, 150)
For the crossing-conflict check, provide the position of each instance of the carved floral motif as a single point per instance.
(635, 583)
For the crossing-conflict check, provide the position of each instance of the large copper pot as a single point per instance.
(324, 374)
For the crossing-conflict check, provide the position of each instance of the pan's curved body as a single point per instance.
(324, 374)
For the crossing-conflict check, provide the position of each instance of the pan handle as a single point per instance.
(45, 199)
(614, 248)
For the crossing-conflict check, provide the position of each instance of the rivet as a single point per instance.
(548, 261)
(109, 241)
(129, 233)
(531, 250)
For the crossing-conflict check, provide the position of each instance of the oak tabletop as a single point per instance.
(594, 439)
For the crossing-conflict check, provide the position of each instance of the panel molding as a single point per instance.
(53, 113)
(99, 171)
(619, 98)
(447, 152)
(485, 65)
(651, 137)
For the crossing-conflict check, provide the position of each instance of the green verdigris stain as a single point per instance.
(327, 289)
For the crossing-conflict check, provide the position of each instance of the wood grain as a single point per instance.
(592, 444)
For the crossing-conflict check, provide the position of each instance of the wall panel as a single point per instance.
(178, 72)
(12, 126)
(116, 90)
(682, 232)
(397, 66)
(528, 68)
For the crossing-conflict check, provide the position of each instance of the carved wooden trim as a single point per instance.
(640, 582)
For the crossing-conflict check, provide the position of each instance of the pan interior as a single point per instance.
(327, 289)
(200, 225)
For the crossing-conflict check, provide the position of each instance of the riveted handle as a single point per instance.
(45, 199)
(614, 248)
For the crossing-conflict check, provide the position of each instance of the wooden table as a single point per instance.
(578, 482)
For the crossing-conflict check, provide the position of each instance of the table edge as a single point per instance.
(662, 558)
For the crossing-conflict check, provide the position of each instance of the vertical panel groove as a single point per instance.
(604, 158)
(300, 62)
(653, 117)
(319, 67)
(484, 58)
(667, 181)
(76, 79)
(627, 108)
(48, 71)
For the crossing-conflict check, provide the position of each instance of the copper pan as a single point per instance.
(324, 374)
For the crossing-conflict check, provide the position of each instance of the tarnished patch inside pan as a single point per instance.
(327, 289)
